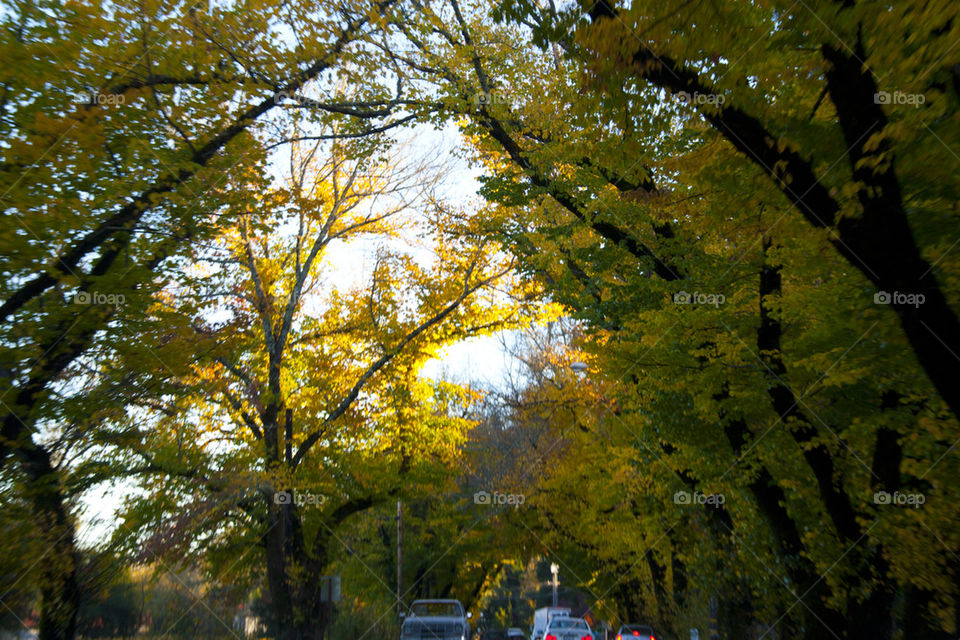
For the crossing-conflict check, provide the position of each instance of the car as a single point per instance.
(436, 620)
(635, 632)
(503, 634)
(567, 628)
(542, 616)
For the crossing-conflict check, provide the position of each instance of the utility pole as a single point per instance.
(554, 569)
(399, 558)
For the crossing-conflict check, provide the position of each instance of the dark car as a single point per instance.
(503, 634)
(635, 632)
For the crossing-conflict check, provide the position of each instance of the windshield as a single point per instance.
(436, 609)
(568, 623)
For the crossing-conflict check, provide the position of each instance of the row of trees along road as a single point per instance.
(723, 196)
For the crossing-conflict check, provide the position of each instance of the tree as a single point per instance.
(877, 209)
(309, 393)
(116, 158)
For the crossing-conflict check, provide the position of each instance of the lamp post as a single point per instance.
(400, 560)
(554, 569)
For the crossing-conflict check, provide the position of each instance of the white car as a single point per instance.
(566, 628)
(542, 616)
(436, 620)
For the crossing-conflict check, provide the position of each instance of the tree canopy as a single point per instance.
(234, 246)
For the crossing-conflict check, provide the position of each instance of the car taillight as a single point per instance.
(585, 638)
(636, 633)
(550, 636)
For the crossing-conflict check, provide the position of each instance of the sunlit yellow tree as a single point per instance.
(304, 405)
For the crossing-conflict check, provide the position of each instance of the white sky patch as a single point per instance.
(481, 361)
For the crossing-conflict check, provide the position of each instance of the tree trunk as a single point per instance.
(871, 618)
(278, 579)
(59, 592)
(295, 595)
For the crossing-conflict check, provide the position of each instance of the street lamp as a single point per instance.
(554, 569)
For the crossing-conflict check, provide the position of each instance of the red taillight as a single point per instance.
(585, 638)
(550, 636)
(637, 633)
(619, 637)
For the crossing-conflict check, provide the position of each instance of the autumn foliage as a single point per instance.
(232, 243)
